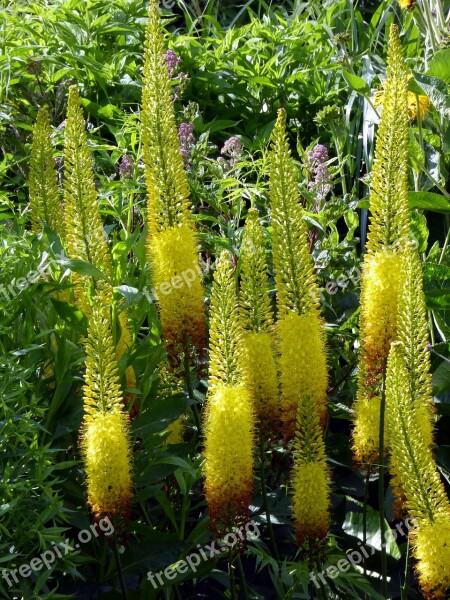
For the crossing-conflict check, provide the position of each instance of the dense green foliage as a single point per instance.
(322, 61)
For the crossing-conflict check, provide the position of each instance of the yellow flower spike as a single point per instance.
(302, 364)
(105, 442)
(177, 286)
(300, 326)
(45, 201)
(416, 472)
(413, 333)
(172, 242)
(388, 233)
(85, 237)
(311, 486)
(229, 417)
(106, 452)
(405, 4)
(229, 449)
(256, 311)
(431, 548)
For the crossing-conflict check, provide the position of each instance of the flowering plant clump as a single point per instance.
(225, 300)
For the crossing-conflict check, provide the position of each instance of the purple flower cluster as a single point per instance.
(126, 167)
(232, 149)
(172, 61)
(187, 139)
(320, 177)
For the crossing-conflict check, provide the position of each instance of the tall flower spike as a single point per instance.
(105, 442)
(413, 333)
(388, 231)
(45, 201)
(389, 224)
(166, 178)
(172, 242)
(85, 236)
(229, 418)
(311, 478)
(295, 279)
(257, 319)
(416, 471)
(302, 363)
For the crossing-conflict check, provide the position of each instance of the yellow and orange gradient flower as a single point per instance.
(388, 233)
(417, 475)
(302, 360)
(172, 243)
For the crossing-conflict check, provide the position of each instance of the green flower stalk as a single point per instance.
(172, 242)
(85, 237)
(302, 362)
(416, 472)
(45, 200)
(388, 231)
(256, 311)
(229, 418)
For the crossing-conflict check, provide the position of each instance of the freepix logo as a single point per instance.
(213, 550)
(49, 556)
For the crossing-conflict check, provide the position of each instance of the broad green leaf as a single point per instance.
(81, 267)
(70, 314)
(439, 65)
(356, 83)
(441, 379)
(353, 525)
(429, 201)
(436, 89)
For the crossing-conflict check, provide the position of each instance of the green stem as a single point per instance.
(264, 496)
(366, 500)
(444, 247)
(190, 389)
(119, 569)
(430, 176)
(231, 577)
(405, 583)
(381, 487)
(242, 577)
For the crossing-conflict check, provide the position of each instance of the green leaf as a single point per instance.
(436, 280)
(435, 89)
(441, 379)
(354, 525)
(356, 83)
(70, 314)
(429, 201)
(81, 267)
(439, 65)
(420, 230)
